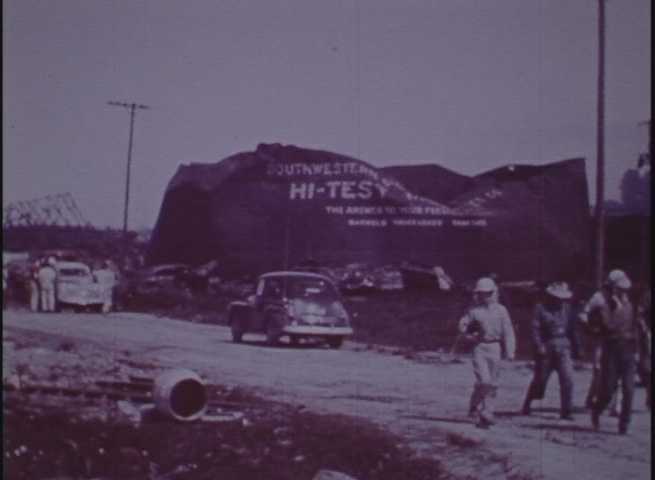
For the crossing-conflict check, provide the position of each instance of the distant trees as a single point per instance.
(635, 191)
(635, 187)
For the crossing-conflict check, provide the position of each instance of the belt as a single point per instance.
(489, 341)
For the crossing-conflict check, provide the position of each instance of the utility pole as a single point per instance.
(600, 151)
(132, 107)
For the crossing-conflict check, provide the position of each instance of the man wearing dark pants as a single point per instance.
(618, 331)
(556, 342)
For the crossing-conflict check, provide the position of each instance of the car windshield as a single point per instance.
(310, 288)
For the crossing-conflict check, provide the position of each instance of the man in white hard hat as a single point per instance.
(47, 276)
(556, 343)
(488, 326)
(616, 322)
(589, 319)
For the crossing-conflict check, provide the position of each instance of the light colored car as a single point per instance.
(77, 288)
(293, 304)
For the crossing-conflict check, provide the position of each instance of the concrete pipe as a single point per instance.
(180, 394)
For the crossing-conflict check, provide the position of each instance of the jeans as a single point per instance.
(557, 358)
(617, 363)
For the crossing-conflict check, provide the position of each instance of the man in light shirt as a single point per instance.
(488, 326)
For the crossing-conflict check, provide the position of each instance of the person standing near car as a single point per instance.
(33, 281)
(47, 276)
(556, 342)
(617, 324)
(489, 327)
(105, 276)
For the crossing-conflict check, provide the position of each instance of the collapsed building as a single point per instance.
(280, 205)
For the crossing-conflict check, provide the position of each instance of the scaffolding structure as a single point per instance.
(60, 210)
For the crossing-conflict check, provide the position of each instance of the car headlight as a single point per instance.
(340, 312)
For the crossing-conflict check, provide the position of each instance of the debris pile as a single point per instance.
(78, 410)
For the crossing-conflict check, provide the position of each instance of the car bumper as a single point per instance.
(83, 302)
(315, 330)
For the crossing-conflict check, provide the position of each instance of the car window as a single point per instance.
(272, 288)
(310, 288)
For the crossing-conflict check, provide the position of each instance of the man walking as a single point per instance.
(555, 341)
(487, 324)
(617, 323)
(592, 324)
(47, 276)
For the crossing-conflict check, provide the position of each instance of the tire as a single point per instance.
(237, 334)
(294, 340)
(237, 331)
(335, 342)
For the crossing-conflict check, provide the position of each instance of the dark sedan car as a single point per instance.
(294, 304)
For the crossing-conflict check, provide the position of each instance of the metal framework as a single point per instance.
(52, 210)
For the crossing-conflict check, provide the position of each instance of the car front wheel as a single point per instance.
(237, 334)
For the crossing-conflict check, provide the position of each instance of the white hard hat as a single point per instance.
(52, 261)
(485, 285)
(618, 278)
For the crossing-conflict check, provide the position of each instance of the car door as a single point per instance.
(257, 307)
(269, 301)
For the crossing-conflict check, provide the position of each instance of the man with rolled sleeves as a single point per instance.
(488, 326)
(618, 327)
(556, 342)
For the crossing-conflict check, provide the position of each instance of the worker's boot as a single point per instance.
(476, 398)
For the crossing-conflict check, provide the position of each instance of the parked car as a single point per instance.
(161, 276)
(294, 304)
(77, 288)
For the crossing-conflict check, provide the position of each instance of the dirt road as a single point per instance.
(422, 399)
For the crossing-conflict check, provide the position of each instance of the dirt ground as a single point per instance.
(420, 397)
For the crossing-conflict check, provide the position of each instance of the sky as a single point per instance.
(467, 84)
